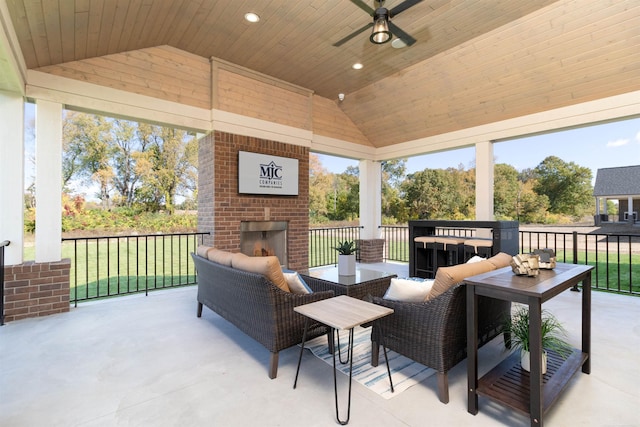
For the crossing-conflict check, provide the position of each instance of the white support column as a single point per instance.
(630, 205)
(370, 198)
(48, 181)
(12, 176)
(484, 181)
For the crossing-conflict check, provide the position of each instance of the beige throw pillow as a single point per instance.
(446, 277)
(500, 260)
(202, 250)
(408, 290)
(268, 266)
(219, 256)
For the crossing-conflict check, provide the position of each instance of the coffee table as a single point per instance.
(341, 312)
(365, 282)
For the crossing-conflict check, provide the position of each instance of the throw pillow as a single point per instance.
(411, 289)
(219, 256)
(447, 277)
(268, 266)
(297, 285)
(500, 260)
(202, 250)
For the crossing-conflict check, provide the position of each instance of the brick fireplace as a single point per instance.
(221, 209)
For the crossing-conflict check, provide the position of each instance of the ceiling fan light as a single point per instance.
(380, 33)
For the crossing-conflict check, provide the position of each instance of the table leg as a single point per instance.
(535, 356)
(304, 339)
(339, 352)
(335, 382)
(586, 322)
(472, 350)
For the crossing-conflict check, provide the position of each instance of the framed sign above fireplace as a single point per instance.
(266, 174)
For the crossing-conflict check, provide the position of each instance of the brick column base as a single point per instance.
(36, 289)
(371, 250)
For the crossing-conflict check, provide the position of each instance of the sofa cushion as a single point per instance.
(219, 256)
(202, 250)
(500, 260)
(411, 289)
(297, 285)
(446, 277)
(268, 266)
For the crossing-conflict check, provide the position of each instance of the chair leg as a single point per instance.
(443, 387)
(375, 353)
(273, 365)
(199, 309)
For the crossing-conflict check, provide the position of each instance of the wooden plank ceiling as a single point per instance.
(474, 62)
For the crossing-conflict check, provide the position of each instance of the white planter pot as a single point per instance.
(525, 361)
(347, 265)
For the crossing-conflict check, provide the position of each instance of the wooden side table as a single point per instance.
(341, 312)
(529, 393)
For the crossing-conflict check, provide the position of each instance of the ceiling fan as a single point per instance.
(383, 28)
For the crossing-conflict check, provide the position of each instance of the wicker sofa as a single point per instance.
(433, 332)
(253, 303)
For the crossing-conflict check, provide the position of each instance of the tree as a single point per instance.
(320, 185)
(393, 173)
(87, 151)
(567, 186)
(506, 189)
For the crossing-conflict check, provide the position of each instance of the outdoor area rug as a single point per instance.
(404, 372)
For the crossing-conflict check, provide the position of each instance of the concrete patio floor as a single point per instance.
(149, 361)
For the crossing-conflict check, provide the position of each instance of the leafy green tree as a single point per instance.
(393, 173)
(320, 185)
(567, 186)
(506, 189)
(437, 194)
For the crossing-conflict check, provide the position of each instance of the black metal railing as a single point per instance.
(118, 265)
(615, 257)
(322, 243)
(2, 246)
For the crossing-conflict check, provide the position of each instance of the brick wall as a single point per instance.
(221, 208)
(36, 289)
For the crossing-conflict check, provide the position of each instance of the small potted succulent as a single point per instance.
(552, 332)
(346, 258)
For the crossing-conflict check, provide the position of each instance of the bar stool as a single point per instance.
(424, 256)
(478, 246)
(453, 249)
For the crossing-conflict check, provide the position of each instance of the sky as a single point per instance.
(599, 146)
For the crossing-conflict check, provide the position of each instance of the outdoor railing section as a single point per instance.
(2, 246)
(322, 243)
(118, 265)
(615, 257)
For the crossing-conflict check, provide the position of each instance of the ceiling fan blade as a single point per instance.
(362, 5)
(352, 35)
(402, 7)
(396, 31)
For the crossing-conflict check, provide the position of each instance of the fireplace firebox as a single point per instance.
(264, 238)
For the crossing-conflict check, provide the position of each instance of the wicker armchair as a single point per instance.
(433, 333)
(256, 306)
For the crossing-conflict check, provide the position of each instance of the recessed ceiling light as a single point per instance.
(398, 44)
(251, 17)
(357, 66)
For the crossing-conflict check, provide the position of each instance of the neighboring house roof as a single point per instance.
(622, 181)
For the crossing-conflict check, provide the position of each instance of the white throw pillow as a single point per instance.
(412, 289)
(475, 258)
(296, 284)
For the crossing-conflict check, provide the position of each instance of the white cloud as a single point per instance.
(619, 142)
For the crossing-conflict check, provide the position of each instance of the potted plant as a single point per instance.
(346, 258)
(552, 332)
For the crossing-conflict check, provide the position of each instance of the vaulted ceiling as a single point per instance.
(474, 62)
